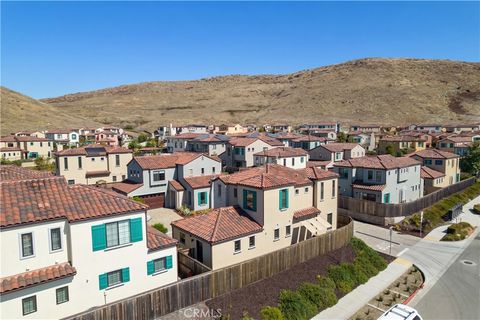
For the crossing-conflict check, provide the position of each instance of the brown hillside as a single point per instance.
(386, 91)
(19, 112)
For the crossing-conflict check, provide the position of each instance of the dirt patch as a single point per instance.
(254, 297)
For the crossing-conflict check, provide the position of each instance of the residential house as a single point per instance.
(460, 128)
(281, 128)
(260, 210)
(107, 138)
(67, 248)
(229, 129)
(428, 137)
(240, 151)
(294, 158)
(334, 152)
(11, 154)
(430, 128)
(93, 164)
(321, 125)
(383, 178)
(455, 144)
(309, 142)
(286, 138)
(64, 137)
(445, 162)
(31, 147)
(212, 144)
(365, 128)
(178, 142)
(38, 134)
(367, 140)
(433, 180)
(398, 145)
(171, 180)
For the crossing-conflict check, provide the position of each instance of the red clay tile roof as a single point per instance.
(242, 142)
(267, 177)
(10, 149)
(167, 160)
(288, 136)
(126, 186)
(99, 173)
(29, 278)
(157, 240)
(385, 161)
(13, 138)
(338, 147)
(306, 213)
(61, 130)
(271, 141)
(11, 172)
(219, 225)
(314, 173)
(457, 139)
(429, 173)
(92, 149)
(373, 187)
(200, 181)
(186, 136)
(176, 185)
(46, 199)
(435, 154)
(402, 138)
(311, 138)
(282, 152)
(316, 163)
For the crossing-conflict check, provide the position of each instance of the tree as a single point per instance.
(44, 164)
(134, 145)
(390, 150)
(341, 137)
(142, 138)
(471, 162)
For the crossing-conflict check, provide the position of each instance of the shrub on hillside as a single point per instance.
(326, 282)
(476, 208)
(321, 297)
(342, 276)
(271, 313)
(295, 307)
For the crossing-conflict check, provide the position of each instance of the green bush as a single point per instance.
(342, 276)
(356, 270)
(138, 199)
(271, 313)
(476, 208)
(160, 227)
(362, 249)
(363, 263)
(295, 307)
(326, 282)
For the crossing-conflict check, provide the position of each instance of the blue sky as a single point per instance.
(55, 48)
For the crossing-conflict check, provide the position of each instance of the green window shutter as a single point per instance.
(244, 199)
(286, 195)
(199, 198)
(169, 262)
(206, 197)
(254, 201)
(102, 281)
(99, 240)
(136, 230)
(125, 274)
(150, 267)
(280, 196)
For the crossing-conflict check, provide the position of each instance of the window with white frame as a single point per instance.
(288, 231)
(117, 233)
(251, 242)
(158, 175)
(27, 244)
(276, 234)
(55, 239)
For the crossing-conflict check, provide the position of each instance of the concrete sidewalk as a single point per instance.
(360, 296)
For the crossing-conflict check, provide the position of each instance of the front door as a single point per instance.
(199, 251)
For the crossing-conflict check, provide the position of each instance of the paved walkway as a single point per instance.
(164, 216)
(360, 296)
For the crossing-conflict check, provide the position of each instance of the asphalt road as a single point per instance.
(456, 295)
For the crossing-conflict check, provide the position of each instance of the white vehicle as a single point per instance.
(400, 312)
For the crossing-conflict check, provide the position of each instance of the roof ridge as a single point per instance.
(217, 222)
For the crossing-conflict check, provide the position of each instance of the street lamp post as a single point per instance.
(391, 234)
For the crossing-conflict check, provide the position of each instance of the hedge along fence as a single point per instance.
(181, 294)
(403, 209)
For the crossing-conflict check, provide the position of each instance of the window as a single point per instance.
(370, 174)
(203, 171)
(322, 191)
(219, 190)
(190, 172)
(301, 159)
(93, 159)
(297, 192)
(237, 246)
(334, 188)
(79, 162)
(159, 175)
(182, 237)
(123, 177)
(62, 295)
(378, 176)
(74, 136)
(343, 172)
(283, 199)
(284, 162)
(27, 244)
(102, 159)
(213, 169)
(114, 178)
(65, 163)
(71, 181)
(114, 278)
(31, 143)
(117, 160)
(251, 242)
(293, 161)
(438, 162)
(160, 265)
(330, 218)
(386, 198)
(235, 192)
(288, 231)
(306, 190)
(202, 198)
(276, 234)
(55, 239)
(250, 200)
(117, 233)
(29, 305)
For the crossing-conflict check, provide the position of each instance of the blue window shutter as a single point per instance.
(280, 195)
(125, 274)
(244, 199)
(136, 230)
(254, 201)
(169, 262)
(102, 281)
(206, 197)
(99, 240)
(199, 198)
(286, 200)
(150, 267)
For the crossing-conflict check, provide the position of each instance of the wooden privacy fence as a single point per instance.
(164, 300)
(403, 209)
(187, 266)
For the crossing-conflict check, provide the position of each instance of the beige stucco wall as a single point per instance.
(329, 203)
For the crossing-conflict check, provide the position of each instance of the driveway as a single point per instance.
(164, 216)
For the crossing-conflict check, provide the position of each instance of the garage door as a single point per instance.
(155, 200)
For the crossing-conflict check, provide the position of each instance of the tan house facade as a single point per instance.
(399, 143)
(93, 164)
(260, 210)
(447, 163)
